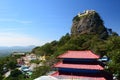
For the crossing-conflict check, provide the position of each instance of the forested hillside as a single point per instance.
(87, 33)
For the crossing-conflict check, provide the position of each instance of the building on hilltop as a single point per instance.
(82, 65)
(85, 12)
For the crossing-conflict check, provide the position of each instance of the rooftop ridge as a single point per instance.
(79, 54)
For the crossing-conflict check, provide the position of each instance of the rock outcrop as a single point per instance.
(88, 22)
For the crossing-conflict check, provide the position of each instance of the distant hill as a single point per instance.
(4, 51)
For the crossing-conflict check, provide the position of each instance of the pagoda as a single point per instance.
(80, 65)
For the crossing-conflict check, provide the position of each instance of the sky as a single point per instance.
(36, 22)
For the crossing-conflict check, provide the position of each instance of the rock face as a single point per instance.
(88, 22)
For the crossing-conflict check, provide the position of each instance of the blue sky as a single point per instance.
(35, 22)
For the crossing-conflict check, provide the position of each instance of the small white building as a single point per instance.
(46, 78)
(17, 53)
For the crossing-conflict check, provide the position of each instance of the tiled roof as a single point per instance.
(79, 54)
(73, 77)
(78, 66)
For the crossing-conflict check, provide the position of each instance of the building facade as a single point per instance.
(83, 65)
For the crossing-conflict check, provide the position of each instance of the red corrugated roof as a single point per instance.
(79, 54)
(78, 66)
(63, 77)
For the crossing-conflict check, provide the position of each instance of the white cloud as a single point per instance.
(14, 39)
(10, 29)
(15, 20)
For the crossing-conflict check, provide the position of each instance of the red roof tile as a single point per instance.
(65, 77)
(78, 66)
(79, 54)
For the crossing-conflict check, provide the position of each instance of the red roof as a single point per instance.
(65, 77)
(79, 54)
(78, 66)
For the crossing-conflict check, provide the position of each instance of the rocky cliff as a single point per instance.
(88, 22)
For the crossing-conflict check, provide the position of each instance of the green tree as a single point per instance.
(1, 77)
(15, 75)
(39, 71)
(12, 64)
(64, 39)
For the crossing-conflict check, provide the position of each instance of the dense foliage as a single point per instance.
(6, 64)
(39, 71)
(15, 75)
(109, 47)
